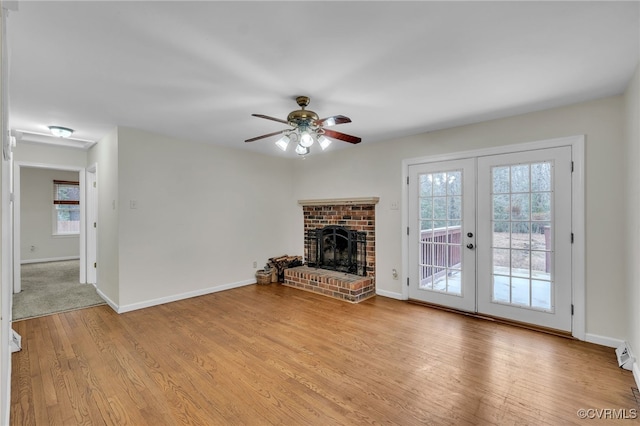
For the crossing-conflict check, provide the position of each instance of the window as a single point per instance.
(66, 207)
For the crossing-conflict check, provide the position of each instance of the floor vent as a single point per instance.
(16, 341)
(636, 395)
(625, 360)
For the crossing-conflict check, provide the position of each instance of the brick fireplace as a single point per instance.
(354, 214)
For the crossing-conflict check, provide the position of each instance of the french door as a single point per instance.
(492, 235)
(442, 217)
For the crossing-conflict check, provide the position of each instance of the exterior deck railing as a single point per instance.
(439, 249)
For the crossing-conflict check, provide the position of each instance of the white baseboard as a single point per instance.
(176, 297)
(49, 259)
(636, 365)
(603, 340)
(389, 294)
(109, 302)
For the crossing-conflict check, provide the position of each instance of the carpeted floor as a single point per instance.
(52, 287)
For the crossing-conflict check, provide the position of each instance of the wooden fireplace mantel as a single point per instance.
(339, 201)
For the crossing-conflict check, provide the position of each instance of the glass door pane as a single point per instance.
(441, 213)
(440, 200)
(520, 242)
(524, 237)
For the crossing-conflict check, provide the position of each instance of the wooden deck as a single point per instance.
(275, 355)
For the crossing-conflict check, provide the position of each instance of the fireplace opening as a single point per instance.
(337, 248)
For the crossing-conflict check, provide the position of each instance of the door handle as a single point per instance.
(470, 246)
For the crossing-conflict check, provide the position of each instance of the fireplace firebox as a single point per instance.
(337, 248)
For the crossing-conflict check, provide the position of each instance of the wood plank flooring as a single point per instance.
(276, 355)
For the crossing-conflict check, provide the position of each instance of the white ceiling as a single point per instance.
(198, 70)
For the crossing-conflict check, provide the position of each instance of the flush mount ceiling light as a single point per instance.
(60, 132)
(307, 128)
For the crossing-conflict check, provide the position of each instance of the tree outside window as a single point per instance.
(66, 207)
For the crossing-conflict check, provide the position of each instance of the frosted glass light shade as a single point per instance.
(324, 142)
(306, 140)
(61, 132)
(302, 150)
(283, 142)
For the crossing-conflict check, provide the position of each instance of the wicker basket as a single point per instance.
(263, 277)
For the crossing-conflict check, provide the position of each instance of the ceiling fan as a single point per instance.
(307, 128)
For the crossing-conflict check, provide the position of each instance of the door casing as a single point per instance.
(17, 261)
(91, 224)
(576, 143)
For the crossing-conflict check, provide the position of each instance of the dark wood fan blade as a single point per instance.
(270, 118)
(333, 120)
(267, 135)
(341, 136)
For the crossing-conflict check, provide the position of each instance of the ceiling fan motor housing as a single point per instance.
(302, 117)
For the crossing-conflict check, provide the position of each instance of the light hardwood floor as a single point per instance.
(276, 355)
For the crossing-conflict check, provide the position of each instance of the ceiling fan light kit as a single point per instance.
(307, 128)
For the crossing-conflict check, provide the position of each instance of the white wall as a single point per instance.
(105, 155)
(37, 241)
(376, 170)
(632, 225)
(36, 153)
(203, 214)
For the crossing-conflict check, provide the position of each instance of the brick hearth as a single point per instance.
(357, 214)
(352, 288)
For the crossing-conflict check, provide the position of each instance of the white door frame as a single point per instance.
(17, 261)
(577, 214)
(92, 218)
